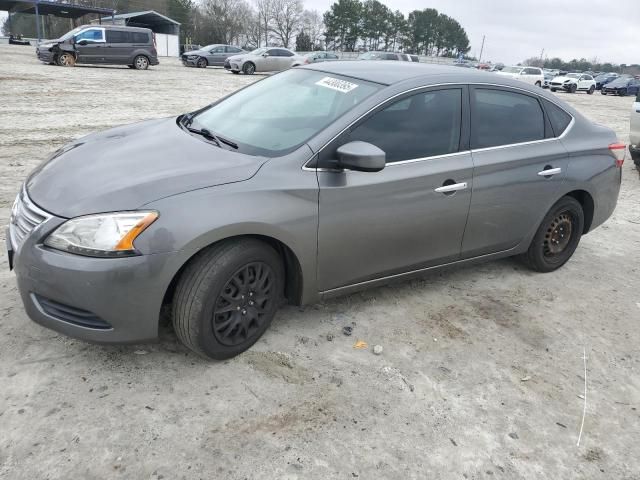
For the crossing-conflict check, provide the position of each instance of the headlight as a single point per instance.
(104, 235)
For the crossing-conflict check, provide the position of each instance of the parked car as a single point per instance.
(211, 55)
(18, 40)
(318, 181)
(383, 56)
(101, 44)
(548, 77)
(574, 82)
(532, 75)
(315, 57)
(634, 131)
(622, 86)
(414, 58)
(604, 78)
(263, 60)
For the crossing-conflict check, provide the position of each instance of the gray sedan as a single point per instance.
(211, 55)
(263, 60)
(319, 181)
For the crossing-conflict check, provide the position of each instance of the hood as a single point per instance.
(239, 57)
(130, 166)
(202, 51)
(508, 74)
(564, 79)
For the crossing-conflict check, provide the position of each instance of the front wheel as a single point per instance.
(591, 90)
(202, 63)
(141, 62)
(603, 92)
(622, 92)
(573, 88)
(66, 59)
(249, 68)
(557, 237)
(227, 297)
(538, 84)
(553, 90)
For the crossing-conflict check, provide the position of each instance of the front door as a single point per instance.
(90, 45)
(408, 216)
(518, 168)
(217, 56)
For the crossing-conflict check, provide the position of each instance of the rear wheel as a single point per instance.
(249, 68)
(202, 63)
(141, 62)
(66, 59)
(227, 297)
(553, 90)
(591, 90)
(557, 237)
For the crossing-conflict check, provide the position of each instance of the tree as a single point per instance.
(342, 22)
(265, 18)
(314, 27)
(287, 15)
(303, 42)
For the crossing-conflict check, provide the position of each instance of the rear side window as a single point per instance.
(560, 119)
(504, 118)
(233, 50)
(419, 126)
(140, 37)
(391, 56)
(118, 36)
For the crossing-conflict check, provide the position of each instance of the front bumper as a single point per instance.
(44, 55)
(560, 86)
(95, 299)
(189, 62)
(611, 91)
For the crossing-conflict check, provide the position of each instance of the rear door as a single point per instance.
(519, 165)
(410, 215)
(118, 46)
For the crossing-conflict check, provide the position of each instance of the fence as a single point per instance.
(423, 58)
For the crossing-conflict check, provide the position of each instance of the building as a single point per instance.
(167, 30)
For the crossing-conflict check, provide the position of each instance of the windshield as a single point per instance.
(619, 81)
(258, 51)
(70, 34)
(512, 69)
(278, 114)
(573, 75)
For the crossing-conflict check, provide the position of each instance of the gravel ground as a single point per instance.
(480, 377)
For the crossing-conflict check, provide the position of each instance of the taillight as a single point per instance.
(154, 39)
(619, 151)
(307, 61)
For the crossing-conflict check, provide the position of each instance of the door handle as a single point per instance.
(454, 187)
(550, 172)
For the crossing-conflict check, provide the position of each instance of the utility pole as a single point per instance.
(481, 49)
(542, 54)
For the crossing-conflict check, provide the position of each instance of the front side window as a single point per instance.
(499, 117)
(233, 50)
(422, 125)
(217, 50)
(273, 52)
(276, 115)
(93, 35)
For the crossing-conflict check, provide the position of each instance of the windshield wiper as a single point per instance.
(205, 133)
(187, 120)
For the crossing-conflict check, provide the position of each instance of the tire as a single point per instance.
(539, 84)
(249, 68)
(603, 92)
(141, 62)
(573, 88)
(235, 72)
(213, 314)
(622, 92)
(202, 63)
(543, 254)
(635, 156)
(66, 59)
(591, 90)
(553, 90)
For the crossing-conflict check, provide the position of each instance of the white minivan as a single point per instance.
(634, 132)
(532, 75)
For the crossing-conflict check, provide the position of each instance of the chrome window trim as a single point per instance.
(451, 84)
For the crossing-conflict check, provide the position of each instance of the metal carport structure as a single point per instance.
(51, 7)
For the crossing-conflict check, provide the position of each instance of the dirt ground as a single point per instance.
(480, 377)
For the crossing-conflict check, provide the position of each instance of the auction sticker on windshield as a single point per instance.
(337, 84)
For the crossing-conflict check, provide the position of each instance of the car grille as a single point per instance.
(556, 83)
(25, 217)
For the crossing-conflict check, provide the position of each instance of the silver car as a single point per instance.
(211, 55)
(634, 131)
(318, 181)
(264, 60)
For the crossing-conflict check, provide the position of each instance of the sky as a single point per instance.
(515, 30)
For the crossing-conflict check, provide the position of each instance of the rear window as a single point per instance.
(501, 117)
(118, 36)
(560, 119)
(140, 37)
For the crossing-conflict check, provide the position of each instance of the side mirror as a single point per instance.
(265, 54)
(361, 157)
(83, 42)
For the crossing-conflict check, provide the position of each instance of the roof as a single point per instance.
(388, 72)
(51, 7)
(147, 17)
